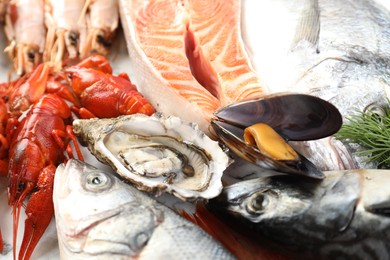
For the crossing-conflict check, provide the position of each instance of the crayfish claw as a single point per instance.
(39, 210)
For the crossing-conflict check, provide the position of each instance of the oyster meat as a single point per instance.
(157, 153)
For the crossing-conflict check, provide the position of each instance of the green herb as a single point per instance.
(371, 130)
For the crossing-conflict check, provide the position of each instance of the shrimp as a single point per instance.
(25, 31)
(102, 18)
(66, 30)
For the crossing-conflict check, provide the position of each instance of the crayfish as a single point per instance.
(35, 151)
(32, 147)
(104, 95)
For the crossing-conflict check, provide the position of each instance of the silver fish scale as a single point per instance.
(184, 240)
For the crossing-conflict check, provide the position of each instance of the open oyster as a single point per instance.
(157, 153)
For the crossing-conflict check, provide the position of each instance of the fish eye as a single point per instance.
(257, 203)
(376, 111)
(97, 181)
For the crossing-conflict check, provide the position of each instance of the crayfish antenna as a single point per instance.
(16, 215)
(39, 211)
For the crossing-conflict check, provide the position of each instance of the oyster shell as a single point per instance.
(157, 153)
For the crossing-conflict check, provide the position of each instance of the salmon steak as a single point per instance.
(188, 56)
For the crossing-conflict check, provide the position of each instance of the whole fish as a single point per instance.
(99, 216)
(347, 215)
(328, 48)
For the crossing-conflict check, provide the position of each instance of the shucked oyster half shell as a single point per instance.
(157, 153)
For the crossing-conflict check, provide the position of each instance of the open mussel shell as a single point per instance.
(296, 117)
(157, 153)
(231, 136)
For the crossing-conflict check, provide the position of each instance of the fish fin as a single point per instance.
(308, 28)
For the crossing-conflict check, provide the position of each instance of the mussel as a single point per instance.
(295, 117)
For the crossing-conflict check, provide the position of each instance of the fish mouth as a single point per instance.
(93, 221)
(88, 240)
(123, 231)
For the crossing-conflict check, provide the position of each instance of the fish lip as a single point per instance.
(94, 220)
(76, 241)
(80, 235)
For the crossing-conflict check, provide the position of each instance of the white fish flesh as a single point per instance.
(98, 216)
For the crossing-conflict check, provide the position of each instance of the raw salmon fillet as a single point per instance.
(188, 57)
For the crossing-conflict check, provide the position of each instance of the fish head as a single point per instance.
(292, 211)
(98, 214)
(83, 181)
(271, 199)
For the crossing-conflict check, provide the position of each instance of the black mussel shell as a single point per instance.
(296, 117)
(231, 136)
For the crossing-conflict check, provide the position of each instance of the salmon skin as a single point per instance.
(188, 57)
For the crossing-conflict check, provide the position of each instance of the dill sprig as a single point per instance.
(371, 130)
